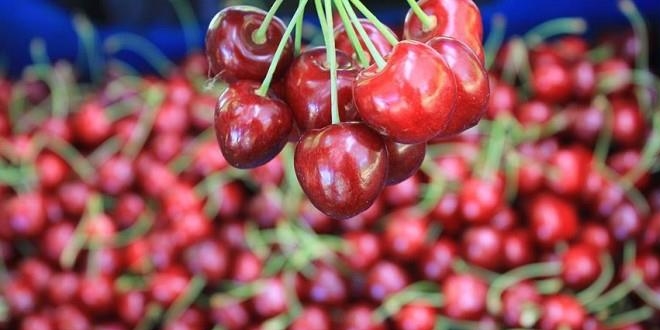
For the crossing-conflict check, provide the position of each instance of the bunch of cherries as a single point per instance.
(360, 109)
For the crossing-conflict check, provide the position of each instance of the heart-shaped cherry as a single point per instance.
(251, 129)
(343, 43)
(342, 168)
(404, 160)
(234, 50)
(458, 19)
(308, 88)
(472, 85)
(412, 98)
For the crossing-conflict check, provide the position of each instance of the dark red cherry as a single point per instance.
(233, 50)
(483, 247)
(519, 303)
(51, 169)
(480, 199)
(561, 311)
(404, 160)
(327, 287)
(437, 260)
(209, 258)
(115, 175)
(384, 279)
(91, 124)
(271, 298)
(250, 129)
(552, 219)
(415, 317)
(359, 317)
(312, 318)
(457, 19)
(231, 315)
(570, 167)
(464, 296)
(625, 222)
(308, 88)
(583, 74)
(62, 287)
(552, 83)
(23, 215)
(96, 294)
(408, 106)
(405, 234)
(363, 250)
(343, 43)
(472, 85)
(167, 285)
(580, 266)
(37, 322)
(628, 128)
(341, 168)
(517, 248)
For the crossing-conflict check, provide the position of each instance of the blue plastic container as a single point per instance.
(22, 21)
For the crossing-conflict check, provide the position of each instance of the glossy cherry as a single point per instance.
(552, 219)
(437, 260)
(341, 168)
(234, 53)
(404, 160)
(250, 129)
(580, 266)
(472, 85)
(561, 311)
(385, 278)
(415, 317)
(457, 19)
(405, 234)
(519, 303)
(464, 296)
(308, 88)
(408, 106)
(343, 43)
(483, 247)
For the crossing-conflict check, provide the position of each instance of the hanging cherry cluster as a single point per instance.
(361, 108)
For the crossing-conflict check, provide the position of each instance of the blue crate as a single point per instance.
(22, 21)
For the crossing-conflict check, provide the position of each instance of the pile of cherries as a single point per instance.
(118, 211)
(360, 110)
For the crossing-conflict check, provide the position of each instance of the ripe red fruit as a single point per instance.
(457, 19)
(561, 311)
(480, 199)
(308, 88)
(232, 51)
(552, 219)
(384, 279)
(472, 85)
(518, 301)
(483, 247)
(415, 317)
(580, 266)
(343, 43)
(341, 168)
(405, 234)
(464, 296)
(403, 160)
(437, 261)
(271, 299)
(552, 83)
(250, 129)
(408, 106)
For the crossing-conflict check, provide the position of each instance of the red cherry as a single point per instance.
(20, 297)
(404, 193)
(518, 301)
(404, 160)
(23, 215)
(91, 126)
(231, 315)
(231, 48)
(96, 293)
(36, 322)
(561, 311)
(327, 287)
(247, 267)
(343, 43)
(457, 19)
(167, 285)
(115, 175)
(384, 279)
(583, 74)
(628, 128)
(552, 219)
(51, 169)
(533, 112)
(415, 317)
(437, 260)
(209, 258)
(464, 296)
(35, 273)
(482, 246)
(171, 118)
(341, 168)
(571, 166)
(359, 317)
(625, 222)
(250, 129)
(363, 250)
(308, 88)
(517, 248)
(580, 266)
(271, 299)
(405, 233)
(62, 288)
(503, 99)
(552, 83)
(480, 199)
(472, 85)
(447, 213)
(312, 318)
(70, 317)
(408, 106)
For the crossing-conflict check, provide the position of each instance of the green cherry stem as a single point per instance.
(649, 153)
(495, 39)
(495, 146)
(259, 35)
(545, 30)
(350, 32)
(182, 302)
(615, 294)
(263, 89)
(593, 291)
(77, 242)
(382, 28)
(633, 15)
(504, 281)
(605, 137)
(297, 42)
(78, 162)
(153, 98)
(330, 44)
(87, 36)
(428, 21)
(378, 59)
(634, 316)
(151, 316)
